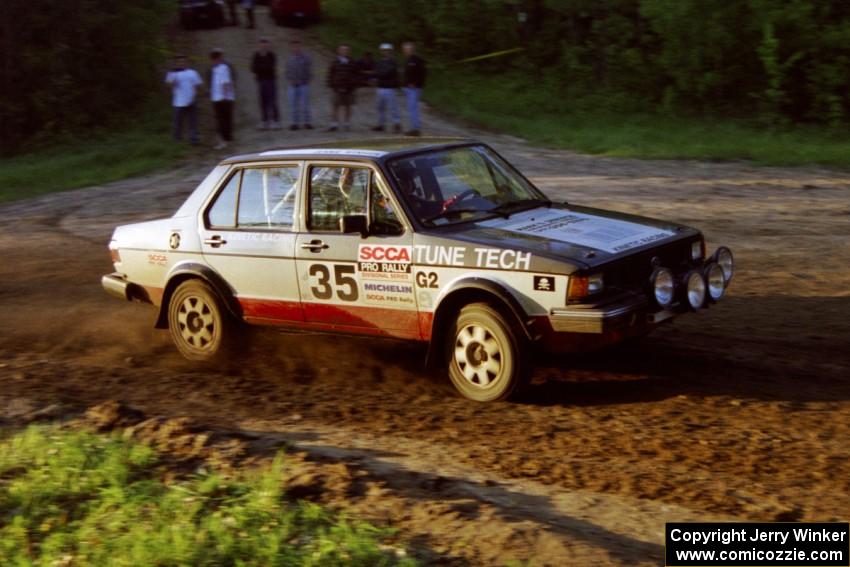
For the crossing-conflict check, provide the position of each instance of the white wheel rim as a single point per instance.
(479, 356)
(196, 322)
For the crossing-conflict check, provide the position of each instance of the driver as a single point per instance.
(407, 185)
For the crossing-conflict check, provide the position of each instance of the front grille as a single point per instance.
(632, 273)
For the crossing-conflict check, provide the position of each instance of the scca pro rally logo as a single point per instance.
(384, 262)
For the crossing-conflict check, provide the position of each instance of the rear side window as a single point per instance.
(267, 198)
(222, 214)
(257, 198)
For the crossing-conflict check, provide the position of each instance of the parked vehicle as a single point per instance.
(434, 240)
(201, 13)
(295, 12)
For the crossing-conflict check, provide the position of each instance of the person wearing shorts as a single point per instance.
(343, 77)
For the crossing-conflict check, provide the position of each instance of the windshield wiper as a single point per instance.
(516, 206)
(449, 212)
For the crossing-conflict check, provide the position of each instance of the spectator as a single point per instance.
(184, 83)
(234, 16)
(366, 68)
(249, 12)
(264, 67)
(222, 94)
(299, 73)
(414, 80)
(386, 76)
(342, 79)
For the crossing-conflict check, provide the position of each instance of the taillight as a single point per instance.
(116, 256)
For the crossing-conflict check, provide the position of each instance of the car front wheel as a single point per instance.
(199, 325)
(484, 354)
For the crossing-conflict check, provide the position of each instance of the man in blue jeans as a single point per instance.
(414, 80)
(184, 83)
(299, 73)
(386, 79)
(264, 67)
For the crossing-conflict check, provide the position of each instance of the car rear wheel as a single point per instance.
(484, 354)
(200, 326)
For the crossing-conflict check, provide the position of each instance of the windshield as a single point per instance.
(462, 184)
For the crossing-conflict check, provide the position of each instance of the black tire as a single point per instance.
(484, 354)
(200, 325)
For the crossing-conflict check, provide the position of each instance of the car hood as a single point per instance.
(582, 236)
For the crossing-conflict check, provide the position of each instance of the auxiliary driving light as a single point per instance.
(715, 281)
(723, 256)
(694, 289)
(663, 287)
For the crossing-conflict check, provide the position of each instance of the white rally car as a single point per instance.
(437, 240)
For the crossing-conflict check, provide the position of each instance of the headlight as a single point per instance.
(697, 250)
(662, 286)
(595, 284)
(694, 289)
(582, 286)
(723, 256)
(715, 280)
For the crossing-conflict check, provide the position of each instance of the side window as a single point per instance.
(334, 193)
(222, 213)
(267, 198)
(384, 218)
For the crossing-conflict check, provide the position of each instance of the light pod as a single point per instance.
(723, 256)
(694, 288)
(715, 281)
(663, 287)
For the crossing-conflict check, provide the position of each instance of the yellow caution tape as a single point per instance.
(489, 55)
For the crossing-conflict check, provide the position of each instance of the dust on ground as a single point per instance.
(740, 411)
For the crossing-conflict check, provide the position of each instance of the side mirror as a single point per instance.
(350, 224)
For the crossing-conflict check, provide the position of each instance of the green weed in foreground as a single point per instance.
(85, 499)
(122, 151)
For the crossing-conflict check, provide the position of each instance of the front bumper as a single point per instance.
(631, 312)
(116, 286)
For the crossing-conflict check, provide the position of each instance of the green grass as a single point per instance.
(73, 498)
(125, 150)
(508, 104)
(528, 106)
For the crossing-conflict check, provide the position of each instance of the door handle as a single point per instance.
(314, 246)
(215, 241)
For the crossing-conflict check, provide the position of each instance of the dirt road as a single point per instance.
(741, 411)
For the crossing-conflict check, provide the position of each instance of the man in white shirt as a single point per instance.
(222, 94)
(184, 83)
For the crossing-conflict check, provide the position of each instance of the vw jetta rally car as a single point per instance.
(430, 240)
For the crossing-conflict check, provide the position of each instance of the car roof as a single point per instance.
(372, 149)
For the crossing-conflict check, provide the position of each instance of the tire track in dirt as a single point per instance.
(740, 411)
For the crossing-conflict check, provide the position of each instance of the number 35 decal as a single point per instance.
(345, 284)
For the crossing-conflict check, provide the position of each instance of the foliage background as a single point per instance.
(72, 65)
(776, 61)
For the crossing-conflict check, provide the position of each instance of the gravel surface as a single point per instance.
(741, 411)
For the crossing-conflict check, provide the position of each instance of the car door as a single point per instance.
(352, 282)
(248, 235)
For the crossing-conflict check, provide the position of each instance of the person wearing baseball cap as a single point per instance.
(386, 76)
